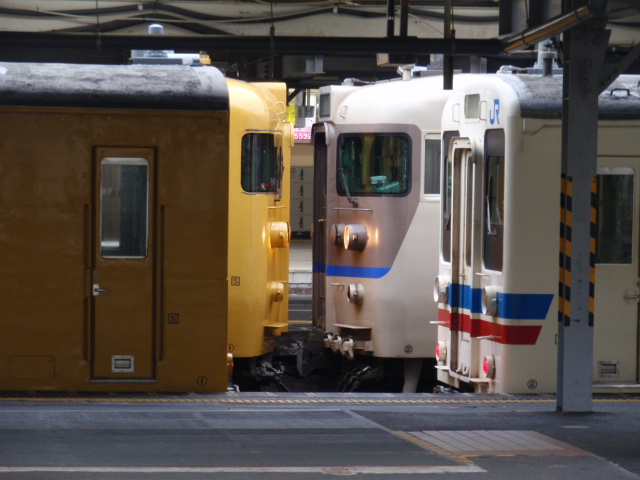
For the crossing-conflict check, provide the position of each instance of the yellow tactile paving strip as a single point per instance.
(473, 443)
(157, 398)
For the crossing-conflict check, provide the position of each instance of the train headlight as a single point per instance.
(279, 234)
(441, 351)
(277, 291)
(355, 293)
(338, 234)
(355, 237)
(490, 301)
(489, 366)
(441, 289)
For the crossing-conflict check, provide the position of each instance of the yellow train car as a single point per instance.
(114, 208)
(259, 232)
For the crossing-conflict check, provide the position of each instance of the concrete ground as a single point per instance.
(315, 436)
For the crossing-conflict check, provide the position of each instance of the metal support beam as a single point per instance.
(584, 52)
(280, 45)
(449, 34)
(404, 18)
(391, 18)
(505, 22)
(611, 72)
(553, 27)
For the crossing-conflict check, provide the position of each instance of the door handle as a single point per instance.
(97, 290)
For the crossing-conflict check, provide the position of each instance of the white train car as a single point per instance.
(497, 288)
(376, 218)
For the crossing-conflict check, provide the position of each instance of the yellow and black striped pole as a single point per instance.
(566, 246)
(593, 245)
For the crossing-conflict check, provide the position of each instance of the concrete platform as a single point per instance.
(313, 436)
(300, 272)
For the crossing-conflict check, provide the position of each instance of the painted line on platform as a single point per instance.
(300, 401)
(336, 470)
(256, 401)
(274, 399)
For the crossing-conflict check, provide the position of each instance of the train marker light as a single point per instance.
(279, 234)
(355, 293)
(489, 301)
(441, 351)
(276, 291)
(355, 237)
(441, 289)
(489, 366)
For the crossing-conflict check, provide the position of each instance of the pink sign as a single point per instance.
(303, 135)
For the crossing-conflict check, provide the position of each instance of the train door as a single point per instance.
(617, 290)
(462, 271)
(319, 227)
(123, 264)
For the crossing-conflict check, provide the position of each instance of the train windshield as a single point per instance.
(493, 237)
(374, 163)
(261, 163)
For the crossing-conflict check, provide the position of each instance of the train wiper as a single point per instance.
(352, 200)
(279, 185)
(490, 231)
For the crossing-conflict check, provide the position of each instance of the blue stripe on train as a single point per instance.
(319, 267)
(512, 306)
(346, 271)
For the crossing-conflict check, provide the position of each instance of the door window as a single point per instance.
(124, 201)
(432, 166)
(446, 194)
(615, 217)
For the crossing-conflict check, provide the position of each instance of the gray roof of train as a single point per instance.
(541, 97)
(153, 87)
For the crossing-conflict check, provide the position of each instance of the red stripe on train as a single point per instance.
(505, 334)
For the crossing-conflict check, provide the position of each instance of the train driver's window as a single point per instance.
(615, 216)
(493, 228)
(374, 163)
(261, 163)
(124, 205)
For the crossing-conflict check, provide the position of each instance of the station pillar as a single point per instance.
(584, 51)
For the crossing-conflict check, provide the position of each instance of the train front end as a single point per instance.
(259, 233)
(374, 205)
(498, 252)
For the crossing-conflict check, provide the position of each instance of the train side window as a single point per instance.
(261, 163)
(615, 217)
(431, 167)
(493, 237)
(124, 206)
(446, 194)
(373, 164)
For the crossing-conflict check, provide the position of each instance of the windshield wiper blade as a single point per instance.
(353, 201)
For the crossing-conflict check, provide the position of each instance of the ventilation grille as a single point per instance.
(609, 369)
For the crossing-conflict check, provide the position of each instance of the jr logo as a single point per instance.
(495, 112)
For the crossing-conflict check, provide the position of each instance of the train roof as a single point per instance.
(541, 97)
(153, 87)
(419, 101)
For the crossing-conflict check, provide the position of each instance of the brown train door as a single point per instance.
(122, 285)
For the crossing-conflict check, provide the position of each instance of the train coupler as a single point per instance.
(267, 373)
